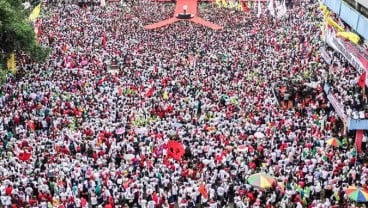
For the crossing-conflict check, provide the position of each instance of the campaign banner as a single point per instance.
(356, 56)
(326, 56)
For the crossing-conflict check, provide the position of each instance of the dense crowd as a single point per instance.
(90, 127)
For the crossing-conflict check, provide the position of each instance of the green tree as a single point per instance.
(16, 32)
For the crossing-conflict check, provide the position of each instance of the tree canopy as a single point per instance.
(16, 32)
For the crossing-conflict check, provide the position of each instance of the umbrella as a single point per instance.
(357, 194)
(261, 180)
(141, 130)
(175, 150)
(84, 62)
(128, 156)
(119, 131)
(242, 148)
(334, 142)
(177, 125)
(24, 156)
(259, 135)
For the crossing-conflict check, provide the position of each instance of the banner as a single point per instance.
(337, 106)
(359, 140)
(356, 56)
(326, 56)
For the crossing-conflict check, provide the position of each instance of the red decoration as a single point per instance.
(361, 81)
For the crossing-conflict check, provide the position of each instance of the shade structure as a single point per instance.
(242, 148)
(357, 194)
(334, 142)
(261, 180)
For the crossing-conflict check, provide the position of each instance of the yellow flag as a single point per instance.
(35, 13)
(230, 4)
(334, 24)
(165, 95)
(224, 3)
(11, 63)
(218, 2)
(239, 7)
(350, 36)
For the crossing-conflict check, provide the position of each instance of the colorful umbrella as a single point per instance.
(334, 142)
(357, 194)
(261, 180)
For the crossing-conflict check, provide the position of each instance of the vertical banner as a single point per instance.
(358, 141)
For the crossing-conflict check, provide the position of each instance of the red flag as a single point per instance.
(202, 189)
(175, 150)
(358, 140)
(361, 81)
(39, 31)
(104, 40)
(245, 7)
(150, 92)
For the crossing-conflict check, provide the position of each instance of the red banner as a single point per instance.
(358, 141)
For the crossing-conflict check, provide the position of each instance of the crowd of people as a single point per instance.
(91, 126)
